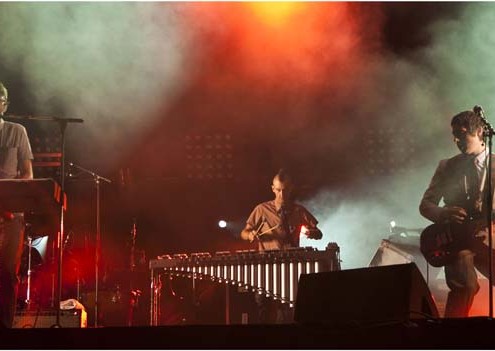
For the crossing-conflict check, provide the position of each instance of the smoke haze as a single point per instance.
(311, 94)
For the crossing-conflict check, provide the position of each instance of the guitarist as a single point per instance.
(460, 182)
(15, 162)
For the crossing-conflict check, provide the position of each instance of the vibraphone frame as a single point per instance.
(274, 273)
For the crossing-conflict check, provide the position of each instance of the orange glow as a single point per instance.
(284, 45)
(275, 13)
(480, 305)
(297, 43)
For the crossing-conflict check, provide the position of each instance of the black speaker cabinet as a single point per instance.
(47, 319)
(365, 295)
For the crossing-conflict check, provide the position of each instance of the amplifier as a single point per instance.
(47, 319)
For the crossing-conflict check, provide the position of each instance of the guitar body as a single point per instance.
(440, 243)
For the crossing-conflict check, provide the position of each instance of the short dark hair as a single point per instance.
(468, 119)
(283, 176)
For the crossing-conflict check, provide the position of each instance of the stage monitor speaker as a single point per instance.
(47, 319)
(390, 252)
(364, 295)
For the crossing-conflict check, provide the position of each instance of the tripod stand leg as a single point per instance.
(28, 289)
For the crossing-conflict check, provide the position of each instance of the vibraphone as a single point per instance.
(274, 273)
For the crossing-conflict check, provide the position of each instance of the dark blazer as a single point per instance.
(449, 183)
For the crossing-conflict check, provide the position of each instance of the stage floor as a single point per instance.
(468, 333)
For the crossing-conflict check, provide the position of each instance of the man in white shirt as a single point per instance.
(15, 163)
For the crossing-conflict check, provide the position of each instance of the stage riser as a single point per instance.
(417, 334)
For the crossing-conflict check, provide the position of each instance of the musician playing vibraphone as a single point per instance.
(278, 224)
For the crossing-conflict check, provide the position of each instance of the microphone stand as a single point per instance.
(62, 122)
(97, 179)
(488, 134)
(134, 293)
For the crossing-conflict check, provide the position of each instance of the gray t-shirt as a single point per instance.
(14, 148)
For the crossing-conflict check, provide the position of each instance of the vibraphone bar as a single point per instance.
(274, 273)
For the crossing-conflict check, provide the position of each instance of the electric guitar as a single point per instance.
(440, 242)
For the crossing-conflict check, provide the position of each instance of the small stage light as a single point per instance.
(222, 223)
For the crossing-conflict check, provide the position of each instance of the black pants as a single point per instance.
(462, 279)
(11, 242)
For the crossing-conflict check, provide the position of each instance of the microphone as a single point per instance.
(479, 111)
